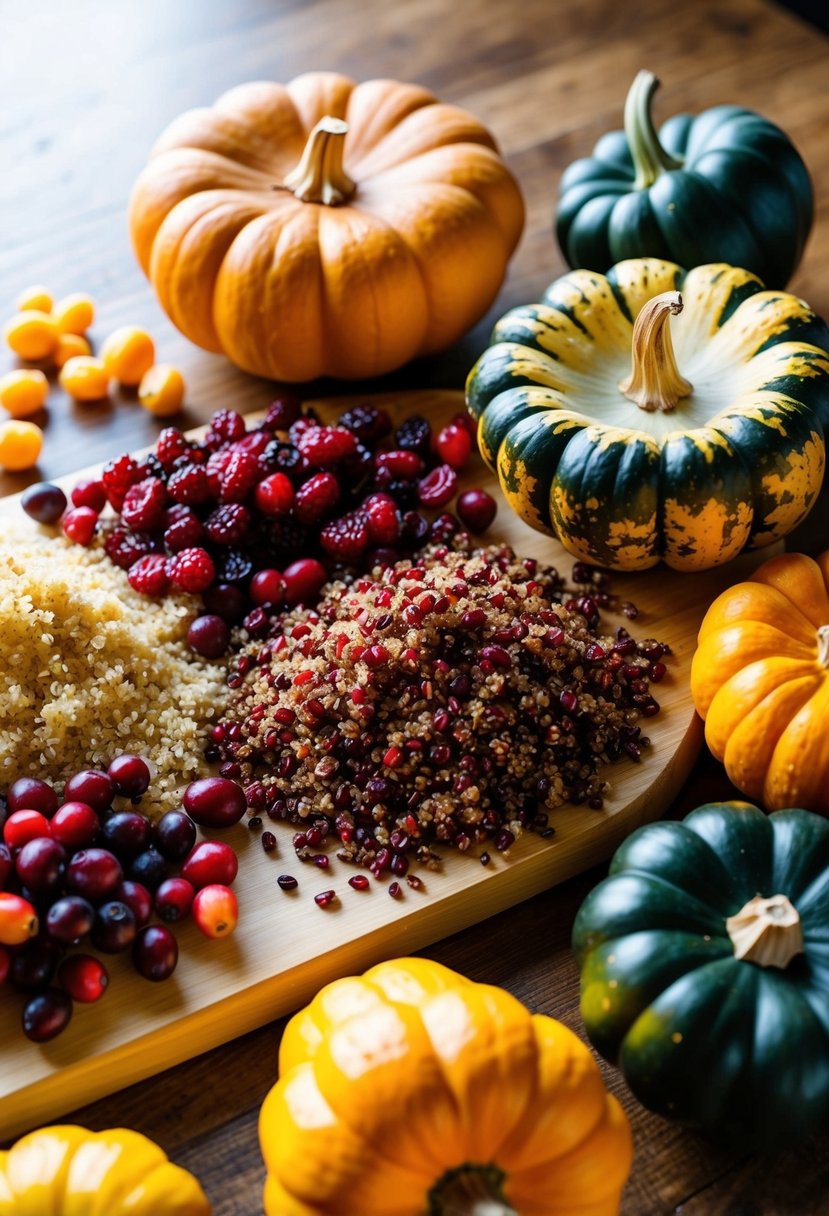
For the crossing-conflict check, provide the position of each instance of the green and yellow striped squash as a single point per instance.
(734, 464)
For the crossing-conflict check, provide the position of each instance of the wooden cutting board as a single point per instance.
(285, 947)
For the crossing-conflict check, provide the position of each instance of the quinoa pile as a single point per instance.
(90, 668)
(454, 699)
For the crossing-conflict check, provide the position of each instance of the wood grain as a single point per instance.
(85, 92)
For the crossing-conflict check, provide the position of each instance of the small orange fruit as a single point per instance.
(74, 314)
(37, 296)
(20, 445)
(23, 392)
(85, 378)
(32, 334)
(70, 345)
(161, 391)
(128, 354)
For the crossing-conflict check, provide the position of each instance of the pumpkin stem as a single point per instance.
(766, 931)
(320, 176)
(655, 382)
(823, 645)
(649, 157)
(470, 1190)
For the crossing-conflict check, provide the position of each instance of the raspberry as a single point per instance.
(239, 476)
(185, 532)
(282, 412)
(149, 575)
(454, 445)
(191, 570)
(346, 538)
(438, 487)
(324, 446)
(217, 462)
(400, 464)
(79, 525)
(316, 497)
(381, 517)
(170, 445)
(118, 476)
(123, 548)
(150, 466)
(415, 435)
(189, 485)
(370, 425)
(143, 506)
(90, 493)
(275, 495)
(233, 566)
(228, 525)
(227, 426)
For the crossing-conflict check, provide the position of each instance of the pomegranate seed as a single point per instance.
(325, 898)
(287, 882)
(359, 882)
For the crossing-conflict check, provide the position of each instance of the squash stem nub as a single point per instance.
(320, 176)
(470, 1190)
(766, 931)
(649, 157)
(655, 382)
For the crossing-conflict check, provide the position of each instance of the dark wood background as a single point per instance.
(85, 89)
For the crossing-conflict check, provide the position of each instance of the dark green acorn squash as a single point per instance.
(726, 186)
(705, 971)
(637, 425)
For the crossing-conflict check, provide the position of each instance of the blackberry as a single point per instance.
(151, 466)
(404, 494)
(282, 413)
(233, 566)
(357, 470)
(370, 425)
(415, 435)
(288, 539)
(285, 459)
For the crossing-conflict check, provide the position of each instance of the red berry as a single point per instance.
(174, 899)
(401, 465)
(155, 953)
(268, 587)
(346, 538)
(189, 485)
(118, 476)
(184, 532)
(75, 825)
(90, 492)
(18, 919)
(316, 497)
(210, 861)
(254, 442)
(23, 826)
(130, 775)
(46, 1015)
(239, 476)
(369, 424)
(216, 910)
(92, 786)
(465, 419)
(85, 978)
(149, 575)
(227, 425)
(454, 445)
(43, 502)
(192, 570)
(282, 412)
(216, 465)
(170, 445)
(214, 802)
(437, 487)
(228, 525)
(381, 516)
(32, 794)
(325, 446)
(209, 636)
(137, 898)
(477, 509)
(275, 495)
(94, 874)
(79, 525)
(143, 506)
(304, 579)
(226, 601)
(123, 547)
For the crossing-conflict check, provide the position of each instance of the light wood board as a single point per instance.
(285, 947)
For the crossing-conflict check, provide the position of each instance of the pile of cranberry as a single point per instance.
(258, 519)
(77, 869)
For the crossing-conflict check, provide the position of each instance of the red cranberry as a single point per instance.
(31, 794)
(94, 874)
(23, 826)
(226, 601)
(33, 965)
(90, 492)
(6, 865)
(43, 502)
(209, 636)
(69, 919)
(126, 834)
(91, 786)
(84, 978)
(477, 509)
(212, 861)
(174, 899)
(40, 865)
(304, 579)
(130, 775)
(268, 587)
(137, 898)
(215, 802)
(175, 835)
(75, 825)
(79, 525)
(114, 929)
(274, 496)
(46, 1015)
(149, 868)
(454, 445)
(155, 953)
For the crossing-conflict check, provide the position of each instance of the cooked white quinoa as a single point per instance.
(90, 668)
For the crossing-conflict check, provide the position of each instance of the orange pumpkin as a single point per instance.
(325, 227)
(760, 679)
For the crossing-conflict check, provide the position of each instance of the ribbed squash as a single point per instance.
(760, 679)
(411, 1091)
(68, 1171)
(649, 414)
(705, 971)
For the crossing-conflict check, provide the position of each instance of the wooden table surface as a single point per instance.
(85, 90)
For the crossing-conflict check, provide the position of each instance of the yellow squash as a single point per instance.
(68, 1171)
(411, 1091)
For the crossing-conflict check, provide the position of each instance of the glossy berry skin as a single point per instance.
(148, 575)
(477, 509)
(44, 502)
(226, 601)
(23, 826)
(438, 486)
(69, 920)
(114, 929)
(304, 579)
(274, 496)
(137, 898)
(94, 874)
(126, 834)
(211, 861)
(155, 953)
(174, 899)
(75, 825)
(30, 794)
(149, 868)
(215, 802)
(79, 525)
(46, 1015)
(40, 865)
(130, 775)
(90, 492)
(34, 965)
(18, 920)
(454, 445)
(91, 786)
(268, 587)
(175, 835)
(192, 570)
(209, 636)
(84, 978)
(216, 910)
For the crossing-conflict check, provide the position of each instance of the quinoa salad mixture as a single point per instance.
(452, 700)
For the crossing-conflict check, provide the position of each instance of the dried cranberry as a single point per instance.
(438, 487)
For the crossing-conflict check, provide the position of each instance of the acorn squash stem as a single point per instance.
(823, 645)
(766, 931)
(470, 1190)
(655, 382)
(649, 157)
(320, 176)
